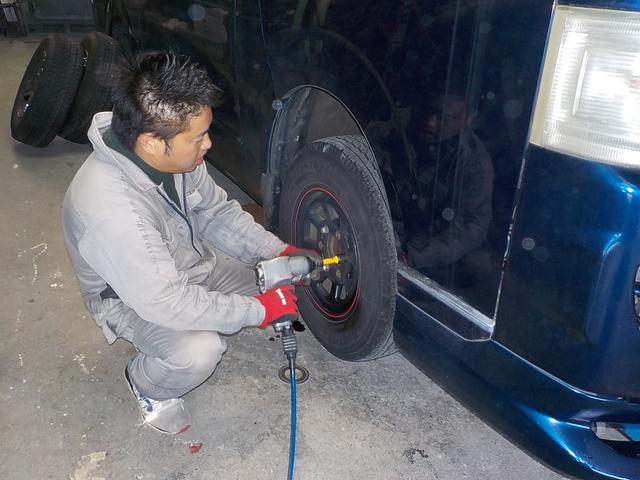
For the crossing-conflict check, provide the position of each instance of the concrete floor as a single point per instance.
(67, 414)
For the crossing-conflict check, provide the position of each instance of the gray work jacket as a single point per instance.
(122, 230)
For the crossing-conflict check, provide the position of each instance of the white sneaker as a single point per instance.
(166, 416)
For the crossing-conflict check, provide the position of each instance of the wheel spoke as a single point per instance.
(324, 227)
(336, 292)
(310, 235)
(321, 277)
(348, 282)
(317, 214)
(330, 209)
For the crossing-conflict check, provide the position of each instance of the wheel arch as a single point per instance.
(305, 114)
(356, 105)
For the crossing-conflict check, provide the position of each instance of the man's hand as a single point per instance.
(278, 302)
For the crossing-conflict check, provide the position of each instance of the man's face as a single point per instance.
(444, 119)
(187, 149)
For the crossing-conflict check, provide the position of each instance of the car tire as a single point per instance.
(333, 201)
(101, 56)
(46, 91)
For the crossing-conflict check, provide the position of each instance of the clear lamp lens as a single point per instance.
(589, 99)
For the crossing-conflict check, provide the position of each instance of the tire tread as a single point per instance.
(357, 149)
(94, 92)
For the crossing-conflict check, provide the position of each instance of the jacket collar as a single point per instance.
(101, 122)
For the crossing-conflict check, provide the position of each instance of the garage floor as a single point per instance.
(65, 412)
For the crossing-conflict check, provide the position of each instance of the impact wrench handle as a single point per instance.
(284, 326)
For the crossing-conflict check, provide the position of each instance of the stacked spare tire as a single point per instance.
(64, 85)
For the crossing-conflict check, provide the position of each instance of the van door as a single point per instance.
(468, 72)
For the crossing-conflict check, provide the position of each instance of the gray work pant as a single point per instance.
(170, 363)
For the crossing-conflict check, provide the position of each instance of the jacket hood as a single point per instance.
(100, 123)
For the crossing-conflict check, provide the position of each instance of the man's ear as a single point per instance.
(151, 144)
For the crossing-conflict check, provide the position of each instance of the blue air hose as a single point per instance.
(292, 438)
(290, 348)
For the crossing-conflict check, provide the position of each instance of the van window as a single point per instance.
(460, 77)
(466, 74)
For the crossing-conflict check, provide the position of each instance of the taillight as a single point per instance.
(589, 97)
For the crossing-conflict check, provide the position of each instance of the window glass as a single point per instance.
(462, 75)
(443, 91)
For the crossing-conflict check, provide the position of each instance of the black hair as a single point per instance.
(159, 93)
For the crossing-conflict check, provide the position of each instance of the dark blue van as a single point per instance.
(477, 164)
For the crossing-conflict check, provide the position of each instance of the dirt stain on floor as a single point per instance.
(87, 465)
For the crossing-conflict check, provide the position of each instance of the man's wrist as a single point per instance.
(256, 312)
(262, 312)
(288, 250)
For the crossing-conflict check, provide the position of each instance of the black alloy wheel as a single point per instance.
(322, 224)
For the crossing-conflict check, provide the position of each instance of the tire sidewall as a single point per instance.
(30, 76)
(54, 71)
